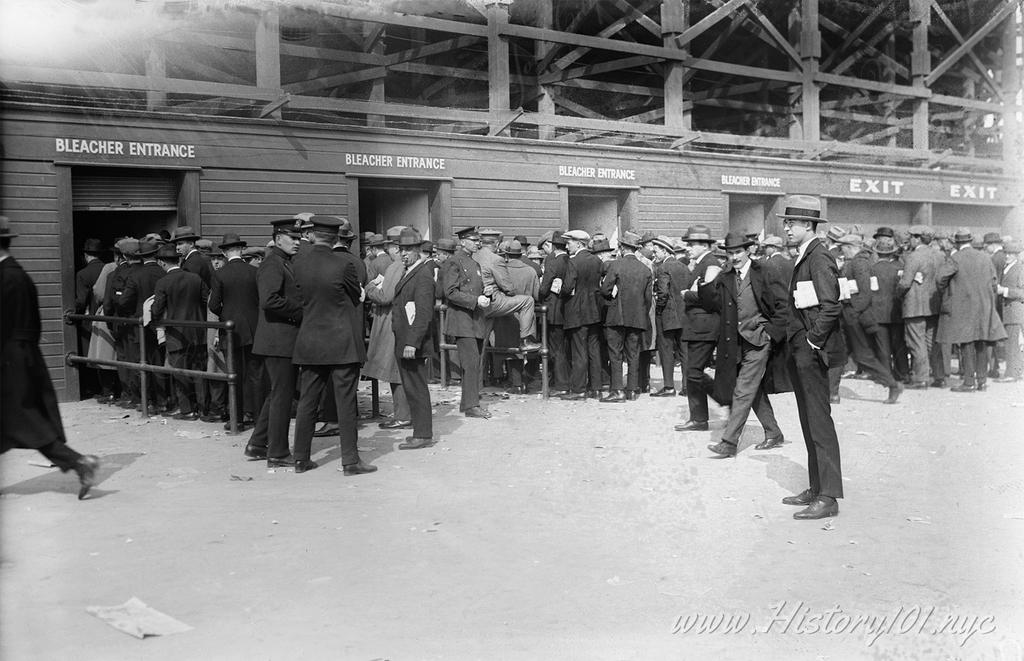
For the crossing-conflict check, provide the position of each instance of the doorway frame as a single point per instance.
(628, 217)
(439, 201)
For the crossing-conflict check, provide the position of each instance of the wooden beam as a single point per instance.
(607, 32)
(810, 54)
(780, 41)
(1008, 8)
(388, 17)
(618, 88)
(854, 35)
(594, 69)
(499, 97)
(267, 42)
(877, 135)
(975, 104)
(832, 26)
(421, 52)
(920, 66)
(978, 64)
(708, 22)
(579, 109)
(868, 45)
(872, 85)
(641, 16)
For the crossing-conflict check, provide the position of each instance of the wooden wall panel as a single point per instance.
(513, 207)
(671, 211)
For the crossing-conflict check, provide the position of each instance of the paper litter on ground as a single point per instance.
(137, 619)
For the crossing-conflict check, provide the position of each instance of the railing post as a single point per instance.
(440, 346)
(143, 374)
(232, 377)
(544, 350)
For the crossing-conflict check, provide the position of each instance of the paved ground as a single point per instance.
(553, 531)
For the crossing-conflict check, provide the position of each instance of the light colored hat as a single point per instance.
(836, 232)
(774, 241)
(851, 240)
(803, 207)
(579, 235)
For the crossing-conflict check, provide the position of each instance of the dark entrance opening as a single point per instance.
(607, 211)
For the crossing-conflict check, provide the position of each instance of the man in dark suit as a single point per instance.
(671, 277)
(776, 265)
(139, 286)
(701, 329)
(753, 320)
(556, 264)
(126, 335)
(411, 320)
(84, 281)
(887, 308)
(627, 286)
(192, 260)
(329, 346)
(464, 293)
(29, 416)
(582, 316)
(180, 296)
(277, 325)
(815, 343)
(235, 297)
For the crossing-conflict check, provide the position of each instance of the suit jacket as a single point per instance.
(921, 299)
(414, 296)
(198, 263)
(858, 269)
(140, 285)
(179, 296)
(514, 278)
(767, 326)
(84, 280)
(702, 324)
(488, 261)
(280, 306)
(581, 290)
(778, 272)
(555, 266)
(533, 265)
(671, 277)
(235, 296)
(968, 282)
(462, 286)
(1013, 301)
(378, 265)
(886, 307)
(821, 322)
(632, 300)
(331, 330)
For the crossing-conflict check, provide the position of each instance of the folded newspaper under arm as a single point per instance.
(804, 295)
(556, 286)
(410, 312)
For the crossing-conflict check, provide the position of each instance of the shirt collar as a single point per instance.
(746, 269)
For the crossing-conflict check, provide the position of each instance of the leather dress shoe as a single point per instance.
(682, 392)
(894, 393)
(664, 392)
(593, 394)
(86, 467)
(475, 412)
(770, 443)
(413, 443)
(328, 429)
(938, 383)
(244, 425)
(358, 469)
(982, 387)
(820, 508)
(191, 415)
(917, 385)
(255, 452)
(530, 346)
(693, 425)
(963, 387)
(802, 499)
(558, 393)
(303, 465)
(396, 424)
(632, 395)
(613, 397)
(280, 462)
(574, 396)
(215, 416)
(516, 390)
(724, 448)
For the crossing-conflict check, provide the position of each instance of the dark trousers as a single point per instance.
(313, 379)
(271, 429)
(132, 352)
(1014, 352)
(835, 376)
(60, 455)
(624, 345)
(919, 333)
(158, 385)
(810, 385)
(123, 373)
(646, 358)
(585, 343)
(558, 354)
(469, 357)
(974, 357)
(862, 349)
(414, 373)
(186, 387)
(671, 348)
(249, 377)
(892, 347)
(698, 357)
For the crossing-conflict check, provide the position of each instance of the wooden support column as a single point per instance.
(796, 126)
(810, 54)
(1010, 82)
(545, 101)
(920, 67)
(499, 79)
(674, 15)
(376, 47)
(268, 52)
(156, 68)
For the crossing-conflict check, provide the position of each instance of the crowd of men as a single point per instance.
(310, 319)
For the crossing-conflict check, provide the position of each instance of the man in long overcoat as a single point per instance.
(671, 277)
(582, 316)
(627, 287)
(556, 263)
(464, 292)
(968, 317)
(1011, 290)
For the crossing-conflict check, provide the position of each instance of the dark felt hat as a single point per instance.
(735, 240)
(5, 228)
(523, 241)
(323, 223)
(409, 238)
(601, 245)
(376, 241)
(93, 247)
(699, 233)
(167, 252)
(184, 233)
(446, 245)
(232, 240)
(884, 231)
(630, 239)
(993, 237)
(345, 229)
(148, 248)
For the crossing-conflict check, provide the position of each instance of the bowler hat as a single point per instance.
(993, 237)
(885, 246)
(446, 245)
(735, 241)
(601, 245)
(630, 240)
(803, 207)
(184, 233)
(147, 248)
(962, 235)
(409, 238)
(514, 249)
(93, 246)
(5, 229)
(167, 252)
(884, 231)
(699, 233)
(232, 240)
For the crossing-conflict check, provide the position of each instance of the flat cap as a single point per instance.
(578, 235)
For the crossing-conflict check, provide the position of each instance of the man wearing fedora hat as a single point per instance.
(815, 344)
(701, 329)
(280, 313)
(556, 264)
(139, 286)
(329, 347)
(184, 239)
(887, 309)
(29, 416)
(994, 247)
(968, 316)
(582, 316)
(1011, 291)
(235, 297)
(114, 288)
(671, 277)
(513, 278)
(628, 289)
(377, 258)
(921, 299)
(753, 322)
